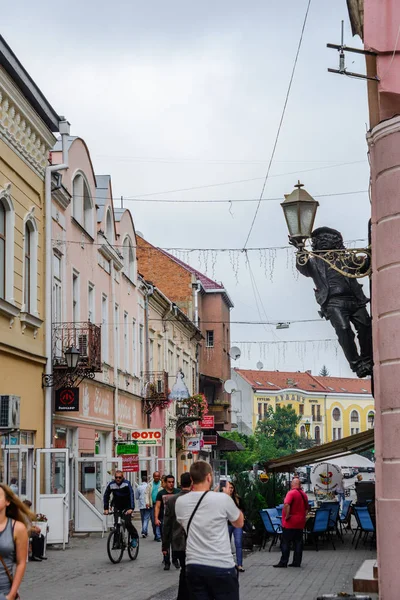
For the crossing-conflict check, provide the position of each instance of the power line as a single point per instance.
(285, 341)
(280, 122)
(226, 322)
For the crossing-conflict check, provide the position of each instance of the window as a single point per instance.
(317, 434)
(134, 357)
(109, 227)
(7, 221)
(210, 339)
(126, 342)
(301, 409)
(337, 433)
(104, 328)
(336, 414)
(75, 297)
(259, 416)
(159, 358)
(151, 355)
(30, 266)
(371, 419)
(129, 258)
(265, 411)
(91, 303)
(302, 431)
(57, 289)
(318, 416)
(141, 355)
(82, 204)
(354, 417)
(354, 430)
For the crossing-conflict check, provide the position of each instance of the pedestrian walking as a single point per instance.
(14, 521)
(340, 491)
(210, 569)
(237, 532)
(151, 494)
(294, 514)
(162, 497)
(174, 535)
(144, 508)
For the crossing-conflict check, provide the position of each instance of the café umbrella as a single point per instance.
(325, 477)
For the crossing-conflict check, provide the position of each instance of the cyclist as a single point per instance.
(122, 502)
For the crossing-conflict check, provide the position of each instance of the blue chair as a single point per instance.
(275, 518)
(345, 516)
(334, 519)
(270, 529)
(321, 526)
(311, 503)
(279, 508)
(365, 525)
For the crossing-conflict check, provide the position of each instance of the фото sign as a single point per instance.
(207, 422)
(130, 463)
(67, 399)
(147, 437)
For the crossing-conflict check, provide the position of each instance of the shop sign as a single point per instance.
(207, 422)
(210, 440)
(264, 477)
(128, 448)
(193, 444)
(147, 437)
(130, 463)
(67, 399)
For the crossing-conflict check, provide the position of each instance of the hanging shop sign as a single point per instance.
(130, 463)
(210, 440)
(147, 437)
(67, 399)
(128, 448)
(325, 477)
(207, 422)
(193, 444)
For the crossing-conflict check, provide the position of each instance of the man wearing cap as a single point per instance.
(342, 300)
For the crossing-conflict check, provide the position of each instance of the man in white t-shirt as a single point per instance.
(210, 570)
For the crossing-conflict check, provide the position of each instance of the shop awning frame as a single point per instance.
(348, 445)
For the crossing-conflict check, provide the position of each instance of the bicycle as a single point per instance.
(119, 540)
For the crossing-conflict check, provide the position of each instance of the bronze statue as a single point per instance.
(342, 299)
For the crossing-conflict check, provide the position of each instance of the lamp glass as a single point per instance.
(72, 357)
(300, 216)
(183, 410)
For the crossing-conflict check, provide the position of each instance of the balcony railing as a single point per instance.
(86, 337)
(155, 390)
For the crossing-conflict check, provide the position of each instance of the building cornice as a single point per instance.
(22, 129)
(383, 130)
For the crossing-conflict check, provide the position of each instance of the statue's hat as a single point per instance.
(321, 230)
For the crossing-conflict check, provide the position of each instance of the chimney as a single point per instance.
(309, 372)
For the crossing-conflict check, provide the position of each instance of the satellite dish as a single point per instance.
(229, 386)
(235, 352)
(259, 365)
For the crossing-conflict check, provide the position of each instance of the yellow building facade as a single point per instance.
(26, 125)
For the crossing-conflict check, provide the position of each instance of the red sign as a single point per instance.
(67, 399)
(207, 422)
(130, 463)
(210, 440)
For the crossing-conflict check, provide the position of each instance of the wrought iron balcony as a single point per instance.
(155, 390)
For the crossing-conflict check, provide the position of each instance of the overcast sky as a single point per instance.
(176, 95)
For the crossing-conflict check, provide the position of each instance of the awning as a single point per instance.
(349, 445)
(226, 445)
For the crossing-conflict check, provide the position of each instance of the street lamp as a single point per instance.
(299, 209)
(307, 426)
(72, 356)
(182, 410)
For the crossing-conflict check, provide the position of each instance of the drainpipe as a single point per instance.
(148, 291)
(196, 289)
(64, 128)
(115, 356)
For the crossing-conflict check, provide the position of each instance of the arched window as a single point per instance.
(302, 431)
(129, 258)
(371, 419)
(317, 434)
(354, 417)
(30, 266)
(7, 221)
(82, 204)
(336, 414)
(109, 227)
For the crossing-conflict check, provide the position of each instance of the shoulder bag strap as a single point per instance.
(10, 577)
(194, 512)
(304, 500)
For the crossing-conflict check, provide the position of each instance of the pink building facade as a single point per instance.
(95, 292)
(381, 35)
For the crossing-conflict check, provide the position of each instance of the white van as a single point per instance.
(347, 472)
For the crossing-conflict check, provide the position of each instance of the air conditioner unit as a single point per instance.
(9, 412)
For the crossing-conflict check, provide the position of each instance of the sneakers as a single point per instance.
(134, 543)
(176, 564)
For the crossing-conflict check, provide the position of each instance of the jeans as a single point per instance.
(340, 496)
(238, 537)
(156, 528)
(212, 583)
(145, 516)
(295, 536)
(183, 592)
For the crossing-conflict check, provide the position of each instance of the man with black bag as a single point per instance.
(210, 569)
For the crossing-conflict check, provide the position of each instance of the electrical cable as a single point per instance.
(280, 123)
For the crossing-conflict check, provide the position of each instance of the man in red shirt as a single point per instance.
(294, 514)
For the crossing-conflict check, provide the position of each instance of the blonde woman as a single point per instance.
(14, 521)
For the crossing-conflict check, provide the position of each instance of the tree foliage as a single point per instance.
(324, 371)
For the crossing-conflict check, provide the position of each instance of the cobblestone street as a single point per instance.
(84, 571)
